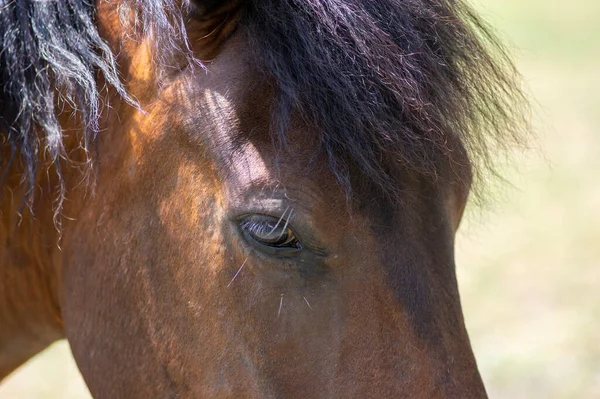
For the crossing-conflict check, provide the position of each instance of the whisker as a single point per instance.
(306, 300)
(280, 305)
(279, 221)
(239, 270)
(287, 221)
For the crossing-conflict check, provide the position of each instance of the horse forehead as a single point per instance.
(240, 155)
(233, 110)
(252, 174)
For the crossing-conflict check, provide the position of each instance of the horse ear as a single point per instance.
(213, 23)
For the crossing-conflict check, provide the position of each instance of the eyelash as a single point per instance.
(265, 227)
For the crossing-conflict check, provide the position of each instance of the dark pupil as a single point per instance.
(270, 232)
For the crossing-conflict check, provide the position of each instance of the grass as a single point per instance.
(529, 268)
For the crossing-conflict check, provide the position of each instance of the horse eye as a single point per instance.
(270, 232)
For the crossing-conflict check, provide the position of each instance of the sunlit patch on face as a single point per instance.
(244, 161)
(221, 110)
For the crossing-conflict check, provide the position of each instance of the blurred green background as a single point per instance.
(529, 267)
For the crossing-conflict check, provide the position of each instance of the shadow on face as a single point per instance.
(214, 263)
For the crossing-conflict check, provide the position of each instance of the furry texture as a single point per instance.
(51, 53)
(47, 48)
(391, 84)
(387, 83)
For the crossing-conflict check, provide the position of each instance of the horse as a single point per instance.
(246, 198)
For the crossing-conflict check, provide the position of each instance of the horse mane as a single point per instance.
(390, 84)
(50, 54)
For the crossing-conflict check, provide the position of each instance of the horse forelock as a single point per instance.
(391, 86)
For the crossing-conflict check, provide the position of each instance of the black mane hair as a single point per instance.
(50, 54)
(45, 47)
(388, 83)
(394, 86)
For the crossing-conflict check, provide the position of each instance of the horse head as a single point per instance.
(246, 198)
